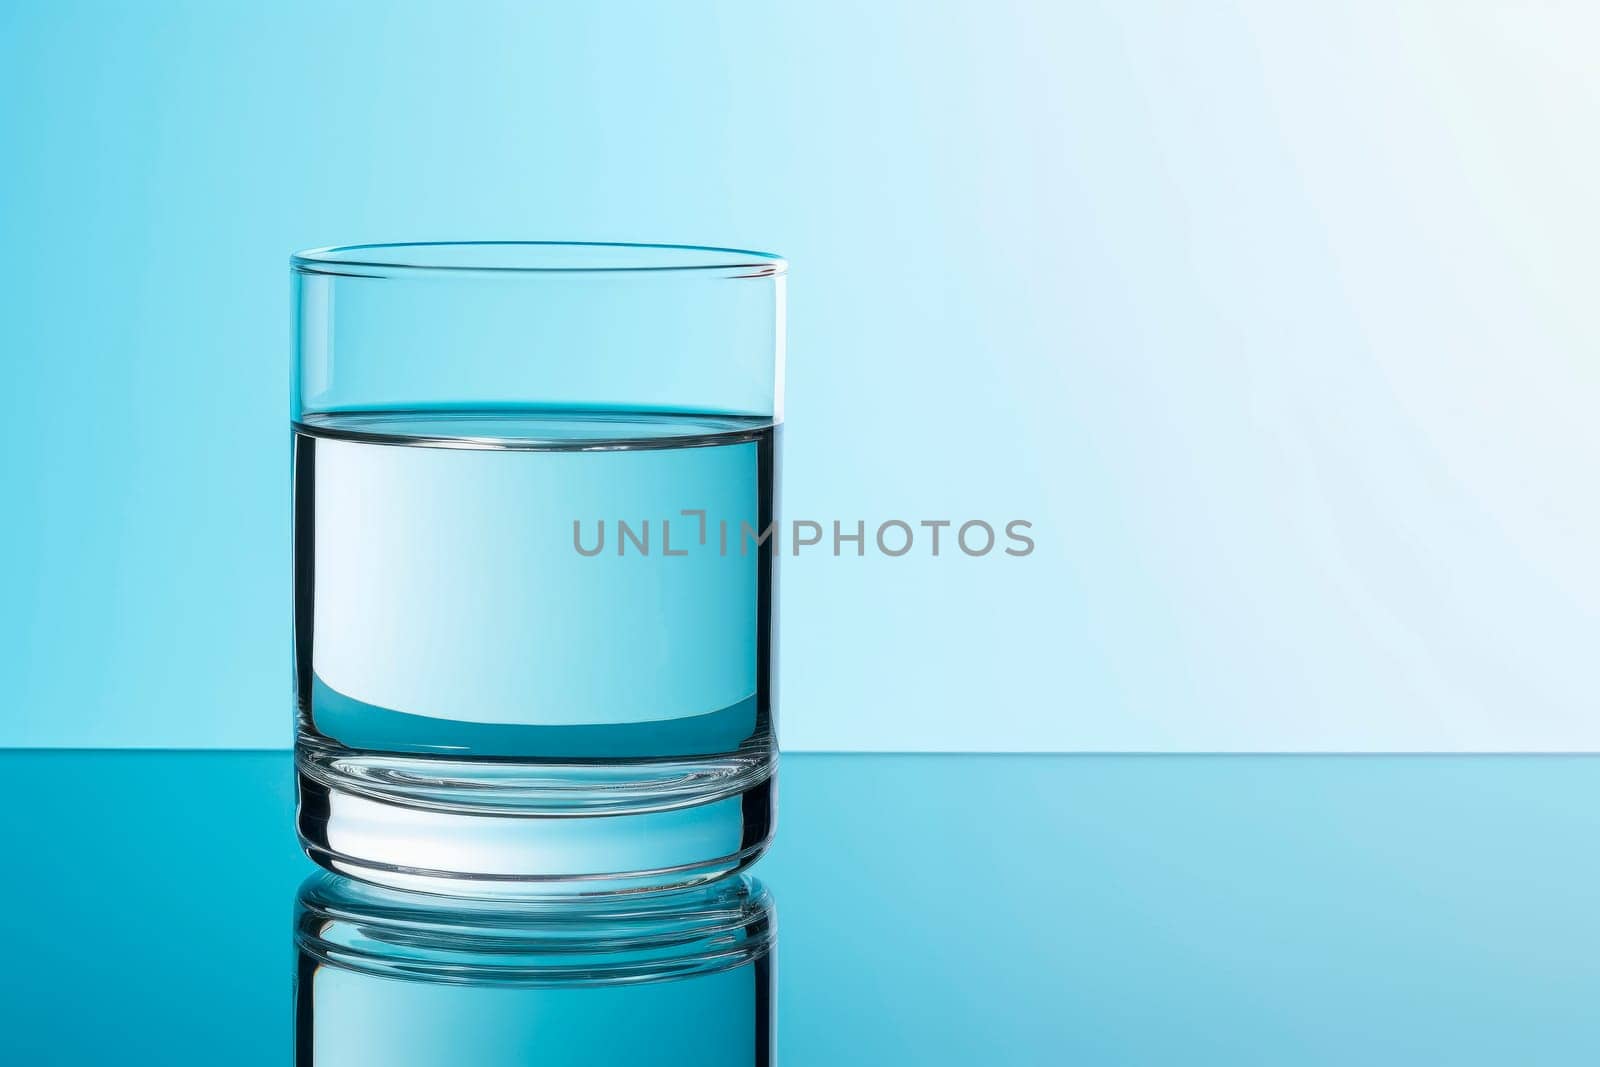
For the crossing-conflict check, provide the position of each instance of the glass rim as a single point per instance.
(503, 258)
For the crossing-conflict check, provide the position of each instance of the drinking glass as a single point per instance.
(533, 597)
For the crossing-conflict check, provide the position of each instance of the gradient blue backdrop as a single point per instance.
(1274, 319)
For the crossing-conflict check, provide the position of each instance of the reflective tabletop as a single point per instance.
(914, 909)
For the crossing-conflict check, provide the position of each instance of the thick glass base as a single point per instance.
(518, 830)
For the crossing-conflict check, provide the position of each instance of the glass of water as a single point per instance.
(533, 571)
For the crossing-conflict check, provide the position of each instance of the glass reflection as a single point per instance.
(399, 979)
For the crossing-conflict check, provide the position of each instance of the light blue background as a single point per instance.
(1275, 319)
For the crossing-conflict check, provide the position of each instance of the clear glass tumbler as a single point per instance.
(533, 595)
